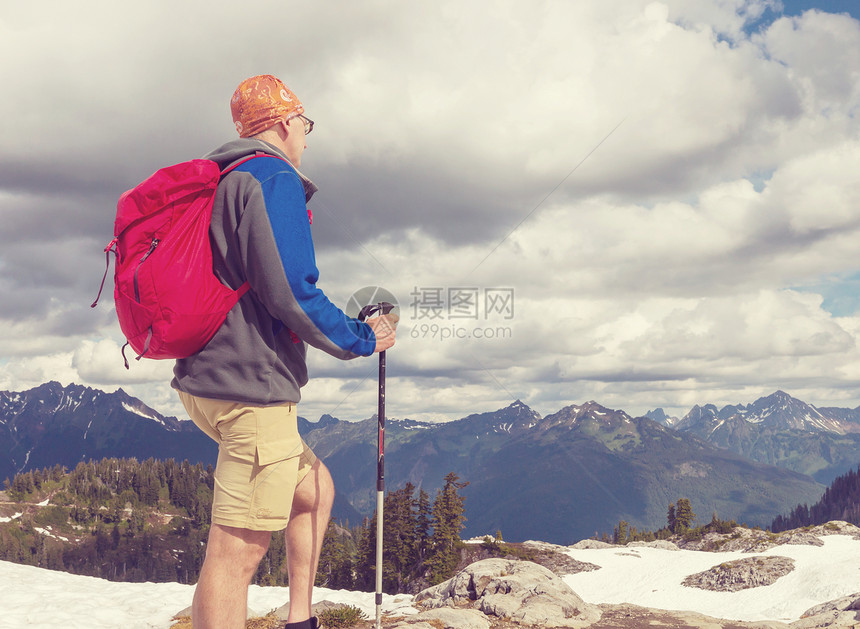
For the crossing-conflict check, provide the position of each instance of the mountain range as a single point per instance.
(779, 430)
(52, 424)
(558, 478)
(562, 477)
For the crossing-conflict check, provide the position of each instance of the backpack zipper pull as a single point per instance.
(152, 247)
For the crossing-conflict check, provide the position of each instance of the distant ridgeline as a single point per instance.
(584, 468)
(841, 501)
(52, 424)
(127, 520)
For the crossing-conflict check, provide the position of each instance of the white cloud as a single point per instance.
(821, 53)
(658, 272)
(101, 363)
(28, 372)
(726, 17)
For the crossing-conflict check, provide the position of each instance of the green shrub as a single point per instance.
(53, 515)
(341, 617)
(692, 535)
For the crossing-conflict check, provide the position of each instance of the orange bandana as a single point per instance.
(260, 102)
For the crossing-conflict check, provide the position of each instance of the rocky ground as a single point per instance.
(507, 593)
(742, 574)
(528, 595)
(756, 540)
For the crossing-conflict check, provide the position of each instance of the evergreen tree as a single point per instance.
(335, 566)
(398, 544)
(448, 521)
(57, 473)
(103, 543)
(684, 515)
(365, 561)
(423, 524)
(841, 501)
(670, 517)
(622, 533)
(272, 569)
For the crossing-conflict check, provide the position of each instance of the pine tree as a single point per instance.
(448, 521)
(335, 566)
(671, 518)
(684, 515)
(621, 533)
(398, 545)
(272, 569)
(365, 561)
(423, 524)
(841, 501)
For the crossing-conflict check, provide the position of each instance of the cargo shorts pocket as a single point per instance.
(277, 434)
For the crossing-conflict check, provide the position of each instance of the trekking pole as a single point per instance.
(384, 308)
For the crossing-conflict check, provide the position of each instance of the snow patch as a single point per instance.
(641, 576)
(136, 411)
(652, 578)
(138, 605)
(14, 517)
(48, 533)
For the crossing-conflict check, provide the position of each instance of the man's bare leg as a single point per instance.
(304, 537)
(221, 595)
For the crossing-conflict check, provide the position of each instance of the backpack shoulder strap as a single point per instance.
(240, 292)
(247, 158)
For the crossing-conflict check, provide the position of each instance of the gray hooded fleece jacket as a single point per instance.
(260, 232)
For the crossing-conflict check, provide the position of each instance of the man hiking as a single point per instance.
(242, 388)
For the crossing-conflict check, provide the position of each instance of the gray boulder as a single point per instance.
(839, 613)
(741, 574)
(520, 591)
(453, 618)
(590, 544)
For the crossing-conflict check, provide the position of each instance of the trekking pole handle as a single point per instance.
(383, 307)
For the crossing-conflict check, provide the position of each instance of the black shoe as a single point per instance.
(310, 623)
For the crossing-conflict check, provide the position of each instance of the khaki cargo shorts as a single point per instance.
(261, 460)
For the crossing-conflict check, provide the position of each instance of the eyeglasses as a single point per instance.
(309, 124)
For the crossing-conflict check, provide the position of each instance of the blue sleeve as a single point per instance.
(303, 307)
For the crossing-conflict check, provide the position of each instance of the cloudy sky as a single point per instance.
(647, 204)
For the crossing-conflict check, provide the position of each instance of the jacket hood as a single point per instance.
(235, 150)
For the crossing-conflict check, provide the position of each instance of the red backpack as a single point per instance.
(168, 300)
